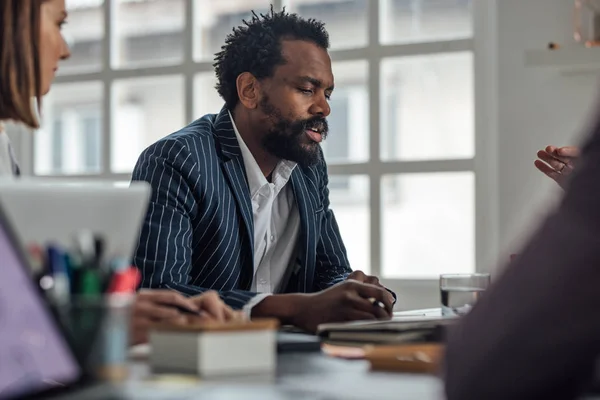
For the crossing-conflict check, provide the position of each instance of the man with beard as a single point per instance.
(240, 201)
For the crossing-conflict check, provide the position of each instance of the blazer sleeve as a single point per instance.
(536, 332)
(164, 253)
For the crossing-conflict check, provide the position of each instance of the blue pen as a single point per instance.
(57, 268)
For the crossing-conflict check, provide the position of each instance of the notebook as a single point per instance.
(399, 330)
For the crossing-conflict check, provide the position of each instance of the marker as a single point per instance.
(124, 281)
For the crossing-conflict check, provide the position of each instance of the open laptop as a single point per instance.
(43, 211)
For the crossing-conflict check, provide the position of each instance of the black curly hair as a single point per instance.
(255, 47)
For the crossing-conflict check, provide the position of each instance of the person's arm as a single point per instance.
(164, 252)
(536, 332)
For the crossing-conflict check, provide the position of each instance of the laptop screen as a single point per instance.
(33, 352)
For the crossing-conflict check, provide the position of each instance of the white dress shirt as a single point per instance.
(276, 224)
(8, 164)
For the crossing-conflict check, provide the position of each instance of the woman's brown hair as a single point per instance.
(20, 77)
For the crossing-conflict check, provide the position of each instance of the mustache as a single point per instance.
(317, 123)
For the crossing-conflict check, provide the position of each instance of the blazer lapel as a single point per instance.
(234, 170)
(308, 232)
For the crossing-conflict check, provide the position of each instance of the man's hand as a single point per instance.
(370, 279)
(347, 301)
(557, 162)
(154, 306)
(210, 304)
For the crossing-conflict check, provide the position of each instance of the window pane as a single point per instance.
(214, 20)
(348, 139)
(346, 20)
(428, 224)
(407, 21)
(206, 98)
(148, 32)
(70, 139)
(144, 110)
(428, 107)
(349, 197)
(84, 34)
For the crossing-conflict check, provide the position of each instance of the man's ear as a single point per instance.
(248, 88)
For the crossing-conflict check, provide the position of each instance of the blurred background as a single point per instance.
(436, 117)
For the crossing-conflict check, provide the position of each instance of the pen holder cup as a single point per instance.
(99, 332)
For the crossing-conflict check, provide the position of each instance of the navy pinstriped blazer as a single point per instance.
(198, 232)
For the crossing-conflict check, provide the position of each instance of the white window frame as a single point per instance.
(412, 293)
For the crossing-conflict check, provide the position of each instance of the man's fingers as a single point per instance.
(361, 304)
(167, 297)
(357, 276)
(372, 280)
(211, 303)
(370, 291)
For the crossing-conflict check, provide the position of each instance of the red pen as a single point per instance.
(125, 281)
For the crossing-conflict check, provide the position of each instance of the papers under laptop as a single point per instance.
(419, 327)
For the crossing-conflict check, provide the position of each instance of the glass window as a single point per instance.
(148, 32)
(70, 139)
(206, 97)
(427, 107)
(408, 21)
(345, 20)
(144, 110)
(84, 33)
(214, 20)
(428, 224)
(349, 197)
(348, 139)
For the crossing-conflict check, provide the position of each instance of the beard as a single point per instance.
(287, 138)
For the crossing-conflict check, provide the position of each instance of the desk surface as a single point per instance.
(299, 376)
(304, 375)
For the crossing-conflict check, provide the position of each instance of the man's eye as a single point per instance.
(306, 91)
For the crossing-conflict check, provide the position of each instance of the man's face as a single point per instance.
(295, 102)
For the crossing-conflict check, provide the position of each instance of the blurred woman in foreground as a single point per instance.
(31, 48)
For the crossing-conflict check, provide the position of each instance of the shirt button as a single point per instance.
(272, 238)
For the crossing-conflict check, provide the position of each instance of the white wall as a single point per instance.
(536, 107)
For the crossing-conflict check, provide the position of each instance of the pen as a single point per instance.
(57, 268)
(187, 311)
(376, 302)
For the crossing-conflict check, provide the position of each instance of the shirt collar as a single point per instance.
(256, 178)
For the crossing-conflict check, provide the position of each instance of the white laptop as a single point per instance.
(46, 211)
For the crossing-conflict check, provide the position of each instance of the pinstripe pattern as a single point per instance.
(198, 232)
